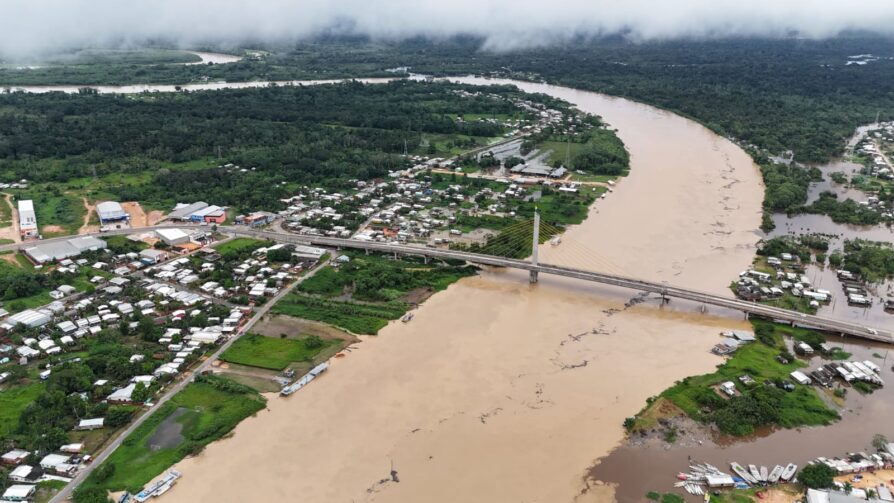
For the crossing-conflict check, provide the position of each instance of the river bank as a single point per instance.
(494, 375)
(650, 462)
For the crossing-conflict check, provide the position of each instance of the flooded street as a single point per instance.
(826, 277)
(503, 391)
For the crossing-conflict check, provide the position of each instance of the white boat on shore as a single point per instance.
(789, 472)
(765, 474)
(742, 473)
(752, 469)
(775, 474)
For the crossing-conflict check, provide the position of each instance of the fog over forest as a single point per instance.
(29, 28)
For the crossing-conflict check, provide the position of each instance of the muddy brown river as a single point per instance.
(503, 391)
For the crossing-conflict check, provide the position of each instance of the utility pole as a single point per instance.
(535, 244)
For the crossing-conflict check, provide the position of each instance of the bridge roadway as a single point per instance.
(669, 291)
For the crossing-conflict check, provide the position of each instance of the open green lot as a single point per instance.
(58, 213)
(274, 353)
(213, 407)
(352, 316)
(377, 278)
(13, 400)
(239, 247)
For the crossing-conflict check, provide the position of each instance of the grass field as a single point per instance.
(272, 353)
(377, 278)
(239, 246)
(13, 401)
(211, 412)
(5, 212)
(58, 213)
(353, 317)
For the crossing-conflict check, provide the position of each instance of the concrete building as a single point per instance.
(210, 214)
(111, 213)
(172, 236)
(151, 256)
(27, 219)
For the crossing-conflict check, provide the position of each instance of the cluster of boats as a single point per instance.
(762, 476)
(865, 371)
(703, 476)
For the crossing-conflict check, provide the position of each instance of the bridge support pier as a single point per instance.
(535, 244)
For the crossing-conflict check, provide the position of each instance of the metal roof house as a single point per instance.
(27, 219)
(19, 492)
(110, 211)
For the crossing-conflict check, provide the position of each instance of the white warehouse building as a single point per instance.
(27, 219)
(110, 211)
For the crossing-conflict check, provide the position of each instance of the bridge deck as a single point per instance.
(775, 313)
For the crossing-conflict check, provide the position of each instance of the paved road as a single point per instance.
(175, 388)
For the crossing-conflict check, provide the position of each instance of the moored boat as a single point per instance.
(742, 473)
(754, 472)
(775, 474)
(789, 472)
(765, 475)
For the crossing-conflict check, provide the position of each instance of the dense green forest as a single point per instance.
(782, 94)
(163, 147)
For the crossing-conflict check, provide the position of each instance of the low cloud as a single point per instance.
(30, 27)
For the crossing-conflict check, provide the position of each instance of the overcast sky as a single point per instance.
(29, 26)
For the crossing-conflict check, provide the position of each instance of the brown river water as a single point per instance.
(499, 390)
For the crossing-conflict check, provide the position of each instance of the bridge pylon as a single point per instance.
(535, 244)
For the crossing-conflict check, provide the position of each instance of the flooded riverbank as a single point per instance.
(503, 391)
(636, 469)
(216, 58)
(641, 466)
